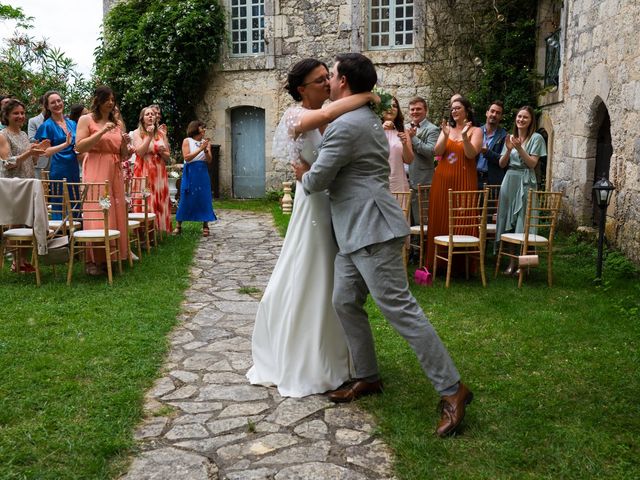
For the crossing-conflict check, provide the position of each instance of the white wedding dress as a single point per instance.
(298, 343)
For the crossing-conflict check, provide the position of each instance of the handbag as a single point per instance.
(57, 251)
(423, 276)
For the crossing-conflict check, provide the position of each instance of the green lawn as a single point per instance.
(554, 370)
(75, 362)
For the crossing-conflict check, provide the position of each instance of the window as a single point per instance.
(390, 24)
(247, 27)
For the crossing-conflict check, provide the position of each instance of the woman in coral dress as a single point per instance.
(104, 140)
(152, 151)
(458, 146)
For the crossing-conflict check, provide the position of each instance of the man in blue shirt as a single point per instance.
(493, 136)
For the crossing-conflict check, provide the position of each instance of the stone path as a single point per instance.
(205, 421)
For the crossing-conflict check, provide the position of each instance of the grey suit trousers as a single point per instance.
(378, 269)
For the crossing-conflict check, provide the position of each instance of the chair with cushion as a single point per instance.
(419, 232)
(96, 233)
(540, 223)
(140, 212)
(467, 231)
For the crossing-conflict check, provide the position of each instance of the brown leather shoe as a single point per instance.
(355, 390)
(453, 410)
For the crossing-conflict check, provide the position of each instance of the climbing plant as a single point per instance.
(160, 51)
(483, 50)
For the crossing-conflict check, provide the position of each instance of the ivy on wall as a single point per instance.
(161, 51)
(483, 50)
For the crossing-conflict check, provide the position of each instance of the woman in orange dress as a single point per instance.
(458, 146)
(102, 137)
(152, 151)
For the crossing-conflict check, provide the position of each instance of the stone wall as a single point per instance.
(600, 68)
(295, 30)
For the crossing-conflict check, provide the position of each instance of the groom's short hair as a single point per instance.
(359, 71)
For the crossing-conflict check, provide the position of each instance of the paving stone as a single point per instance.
(259, 474)
(200, 361)
(182, 393)
(224, 378)
(151, 428)
(245, 308)
(235, 344)
(210, 445)
(349, 417)
(318, 471)
(240, 409)
(317, 452)
(293, 410)
(197, 407)
(183, 336)
(346, 436)
(192, 430)
(194, 345)
(315, 429)
(375, 456)
(200, 418)
(221, 366)
(238, 393)
(184, 377)
(266, 427)
(257, 447)
(226, 424)
(171, 464)
(161, 387)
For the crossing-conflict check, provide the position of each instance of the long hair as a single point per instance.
(101, 96)
(141, 126)
(297, 74)
(468, 108)
(532, 126)
(399, 120)
(45, 102)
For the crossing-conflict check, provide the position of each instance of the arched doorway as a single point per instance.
(248, 152)
(604, 150)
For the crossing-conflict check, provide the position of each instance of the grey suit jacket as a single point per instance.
(424, 144)
(353, 166)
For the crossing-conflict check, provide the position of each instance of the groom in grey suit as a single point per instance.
(370, 230)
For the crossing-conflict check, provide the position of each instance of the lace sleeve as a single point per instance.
(286, 147)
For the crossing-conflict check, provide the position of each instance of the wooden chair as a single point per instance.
(16, 237)
(94, 207)
(467, 231)
(139, 210)
(55, 193)
(420, 231)
(492, 210)
(541, 219)
(404, 199)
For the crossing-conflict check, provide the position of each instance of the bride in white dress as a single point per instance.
(298, 343)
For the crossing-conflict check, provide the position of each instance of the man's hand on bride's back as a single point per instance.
(300, 168)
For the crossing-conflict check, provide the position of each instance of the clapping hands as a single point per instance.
(445, 127)
(465, 130)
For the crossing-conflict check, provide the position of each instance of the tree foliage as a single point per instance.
(160, 51)
(29, 67)
(483, 50)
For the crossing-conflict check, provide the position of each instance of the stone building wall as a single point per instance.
(295, 30)
(600, 69)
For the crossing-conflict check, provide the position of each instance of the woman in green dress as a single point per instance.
(521, 152)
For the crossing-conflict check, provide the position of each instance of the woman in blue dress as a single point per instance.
(195, 189)
(61, 132)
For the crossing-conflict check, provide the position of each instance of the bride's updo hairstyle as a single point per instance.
(298, 73)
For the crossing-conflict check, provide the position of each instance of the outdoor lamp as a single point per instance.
(602, 191)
